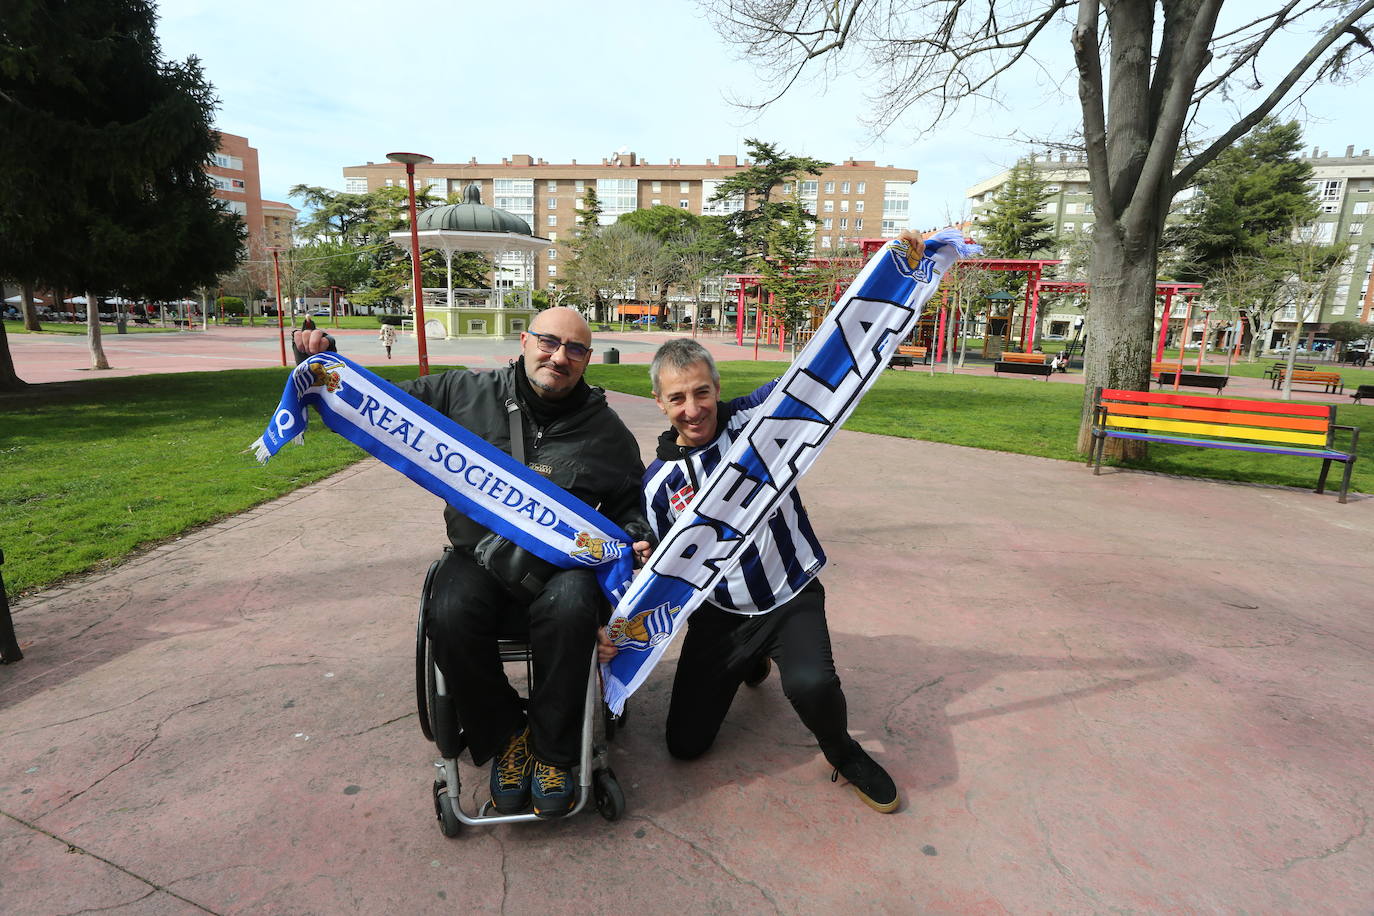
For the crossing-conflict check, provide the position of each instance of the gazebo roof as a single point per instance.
(471, 226)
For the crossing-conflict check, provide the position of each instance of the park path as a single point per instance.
(1129, 693)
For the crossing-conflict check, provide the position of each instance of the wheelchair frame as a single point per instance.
(439, 722)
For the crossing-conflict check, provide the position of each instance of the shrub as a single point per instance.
(232, 305)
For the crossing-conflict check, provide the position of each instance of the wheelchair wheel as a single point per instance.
(424, 660)
(443, 810)
(610, 799)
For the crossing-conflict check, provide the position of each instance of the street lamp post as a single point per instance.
(276, 276)
(411, 160)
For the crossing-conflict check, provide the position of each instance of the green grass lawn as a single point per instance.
(57, 327)
(91, 471)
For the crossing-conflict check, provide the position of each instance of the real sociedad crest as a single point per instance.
(920, 269)
(594, 550)
(645, 629)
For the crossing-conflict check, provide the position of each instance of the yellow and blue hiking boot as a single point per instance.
(510, 775)
(552, 790)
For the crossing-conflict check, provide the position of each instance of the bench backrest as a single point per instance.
(1156, 368)
(1038, 358)
(1192, 417)
(1299, 376)
(910, 350)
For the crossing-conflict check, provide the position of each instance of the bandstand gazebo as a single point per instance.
(474, 226)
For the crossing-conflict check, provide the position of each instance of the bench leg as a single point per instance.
(1099, 444)
(1321, 480)
(1345, 479)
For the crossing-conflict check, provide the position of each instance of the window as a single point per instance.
(1071, 208)
(1356, 228)
(862, 187)
(858, 206)
(732, 204)
(827, 223)
(515, 195)
(237, 206)
(477, 326)
(830, 187)
(553, 203)
(808, 189)
(553, 270)
(828, 206)
(1334, 207)
(825, 241)
(844, 224)
(682, 204)
(1068, 227)
(1051, 189)
(617, 196)
(581, 185)
(517, 324)
(553, 220)
(682, 186)
(896, 198)
(355, 185)
(438, 186)
(844, 187)
(658, 186)
(1329, 190)
(551, 185)
(225, 161)
(844, 206)
(553, 254)
(1361, 206)
(553, 236)
(1088, 207)
(655, 202)
(858, 223)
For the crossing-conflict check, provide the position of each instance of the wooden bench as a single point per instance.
(1330, 382)
(1165, 378)
(1023, 364)
(234, 319)
(1265, 427)
(908, 355)
(1363, 391)
(1279, 368)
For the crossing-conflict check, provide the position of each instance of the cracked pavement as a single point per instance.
(1128, 693)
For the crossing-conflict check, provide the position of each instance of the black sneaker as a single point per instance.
(870, 780)
(760, 672)
(552, 791)
(510, 775)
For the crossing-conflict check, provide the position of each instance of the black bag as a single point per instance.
(523, 573)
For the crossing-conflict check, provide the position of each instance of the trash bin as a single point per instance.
(612, 356)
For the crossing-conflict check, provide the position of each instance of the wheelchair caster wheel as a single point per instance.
(610, 800)
(443, 810)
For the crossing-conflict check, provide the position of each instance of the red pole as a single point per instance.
(940, 344)
(1183, 341)
(281, 329)
(1033, 291)
(1202, 345)
(739, 315)
(1164, 324)
(758, 310)
(415, 274)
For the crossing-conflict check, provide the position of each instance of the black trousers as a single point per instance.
(470, 611)
(721, 648)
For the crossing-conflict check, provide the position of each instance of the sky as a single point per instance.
(318, 86)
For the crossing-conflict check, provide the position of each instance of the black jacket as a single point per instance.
(590, 453)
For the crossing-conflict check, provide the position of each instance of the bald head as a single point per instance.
(551, 369)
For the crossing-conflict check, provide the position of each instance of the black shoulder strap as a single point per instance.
(517, 431)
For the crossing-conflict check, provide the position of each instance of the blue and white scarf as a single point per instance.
(464, 470)
(808, 405)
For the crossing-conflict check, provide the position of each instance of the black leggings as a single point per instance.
(721, 648)
(470, 611)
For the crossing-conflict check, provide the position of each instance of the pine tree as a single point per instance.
(1016, 227)
(764, 210)
(103, 186)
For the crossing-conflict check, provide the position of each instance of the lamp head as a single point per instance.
(410, 158)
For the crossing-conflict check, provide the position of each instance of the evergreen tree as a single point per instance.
(1247, 202)
(772, 170)
(1016, 227)
(103, 186)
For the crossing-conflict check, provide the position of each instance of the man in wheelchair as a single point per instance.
(541, 411)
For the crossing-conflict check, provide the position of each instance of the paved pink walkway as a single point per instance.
(1125, 693)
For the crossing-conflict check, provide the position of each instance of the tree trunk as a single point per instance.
(9, 379)
(93, 333)
(29, 309)
(1122, 305)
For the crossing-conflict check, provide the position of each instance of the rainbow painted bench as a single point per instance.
(1236, 424)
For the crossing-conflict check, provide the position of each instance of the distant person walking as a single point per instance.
(388, 338)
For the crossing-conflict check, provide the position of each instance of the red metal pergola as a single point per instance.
(1167, 289)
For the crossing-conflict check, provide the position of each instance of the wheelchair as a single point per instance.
(594, 779)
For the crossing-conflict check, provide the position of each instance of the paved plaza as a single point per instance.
(1128, 693)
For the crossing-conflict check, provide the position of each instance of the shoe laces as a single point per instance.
(510, 770)
(550, 778)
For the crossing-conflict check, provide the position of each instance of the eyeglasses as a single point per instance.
(547, 343)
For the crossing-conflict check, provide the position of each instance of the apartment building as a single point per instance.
(234, 171)
(1343, 186)
(851, 200)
